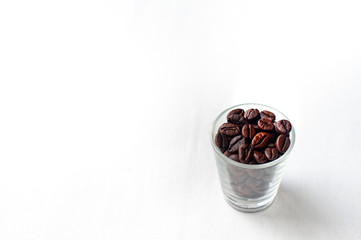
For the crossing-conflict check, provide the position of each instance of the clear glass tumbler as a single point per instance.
(249, 187)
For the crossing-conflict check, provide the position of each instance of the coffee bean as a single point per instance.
(221, 142)
(269, 115)
(283, 126)
(236, 116)
(260, 140)
(265, 124)
(282, 143)
(244, 153)
(218, 140)
(235, 143)
(229, 130)
(248, 131)
(259, 157)
(271, 153)
(252, 114)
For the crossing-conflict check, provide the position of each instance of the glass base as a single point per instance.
(248, 208)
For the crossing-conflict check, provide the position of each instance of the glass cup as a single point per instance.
(249, 187)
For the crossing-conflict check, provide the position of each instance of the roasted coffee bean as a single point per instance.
(244, 153)
(260, 140)
(283, 126)
(252, 114)
(235, 143)
(222, 142)
(269, 115)
(271, 153)
(259, 157)
(265, 124)
(282, 143)
(236, 116)
(218, 140)
(229, 129)
(248, 131)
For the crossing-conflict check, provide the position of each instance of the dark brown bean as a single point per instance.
(219, 142)
(229, 129)
(271, 153)
(260, 140)
(252, 114)
(236, 116)
(244, 153)
(235, 143)
(248, 131)
(259, 157)
(283, 126)
(269, 115)
(282, 143)
(265, 124)
(222, 142)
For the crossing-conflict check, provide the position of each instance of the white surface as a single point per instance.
(105, 108)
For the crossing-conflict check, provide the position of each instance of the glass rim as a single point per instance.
(251, 166)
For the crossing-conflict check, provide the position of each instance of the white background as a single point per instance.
(106, 107)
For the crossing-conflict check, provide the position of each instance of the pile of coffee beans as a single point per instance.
(253, 137)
